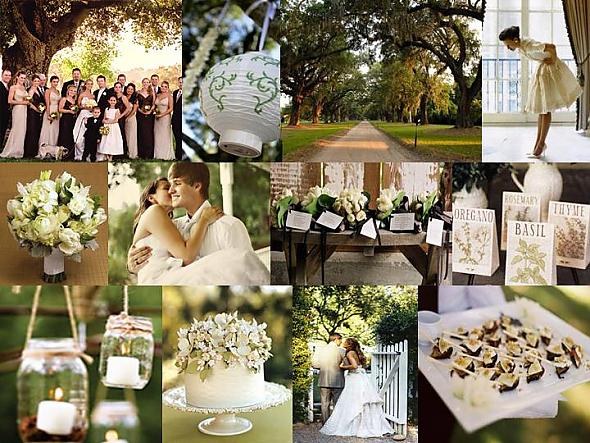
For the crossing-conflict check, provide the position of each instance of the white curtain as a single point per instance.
(577, 18)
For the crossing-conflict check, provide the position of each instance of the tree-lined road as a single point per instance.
(362, 143)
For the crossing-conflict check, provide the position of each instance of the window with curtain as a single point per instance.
(505, 76)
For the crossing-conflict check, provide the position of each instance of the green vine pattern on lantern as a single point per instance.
(227, 61)
(531, 261)
(266, 60)
(266, 85)
(218, 83)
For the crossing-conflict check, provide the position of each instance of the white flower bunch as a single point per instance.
(352, 204)
(389, 199)
(58, 213)
(225, 339)
(314, 193)
(286, 193)
(280, 205)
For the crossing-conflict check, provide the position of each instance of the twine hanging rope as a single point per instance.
(72, 320)
(126, 300)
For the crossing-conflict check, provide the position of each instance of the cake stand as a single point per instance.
(225, 423)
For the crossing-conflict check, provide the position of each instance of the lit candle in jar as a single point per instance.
(122, 371)
(112, 437)
(56, 417)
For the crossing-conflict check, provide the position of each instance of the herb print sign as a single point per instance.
(518, 206)
(530, 255)
(571, 222)
(475, 242)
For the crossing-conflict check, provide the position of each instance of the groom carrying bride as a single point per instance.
(202, 247)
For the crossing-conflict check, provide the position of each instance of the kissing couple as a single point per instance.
(344, 383)
(203, 247)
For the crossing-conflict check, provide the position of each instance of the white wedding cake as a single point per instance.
(222, 361)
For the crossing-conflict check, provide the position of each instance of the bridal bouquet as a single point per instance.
(353, 204)
(225, 339)
(55, 218)
(90, 103)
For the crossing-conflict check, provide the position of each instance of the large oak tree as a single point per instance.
(37, 29)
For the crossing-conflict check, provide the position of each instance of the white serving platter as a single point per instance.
(526, 394)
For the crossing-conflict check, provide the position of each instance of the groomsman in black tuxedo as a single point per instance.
(101, 95)
(121, 78)
(177, 119)
(42, 87)
(155, 83)
(4, 107)
(76, 81)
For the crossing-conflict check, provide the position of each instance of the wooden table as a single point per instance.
(306, 251)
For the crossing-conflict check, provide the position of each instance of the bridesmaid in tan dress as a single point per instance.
(15, 145)
(131, 121)
(163, 125)
(50, 128)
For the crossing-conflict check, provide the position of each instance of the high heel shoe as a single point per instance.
(542, 154)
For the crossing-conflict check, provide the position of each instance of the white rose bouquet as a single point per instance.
(59, 216)
(388, 202)
(317, 200)
(353, 205)
(280, 205)
(225, 339)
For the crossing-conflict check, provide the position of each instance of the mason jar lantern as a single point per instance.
(127, 352)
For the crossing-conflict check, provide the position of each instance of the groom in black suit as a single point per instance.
(76, 81)
(177, 119)
(4, 107)
(101, 95)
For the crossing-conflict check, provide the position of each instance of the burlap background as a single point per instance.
(17, 267)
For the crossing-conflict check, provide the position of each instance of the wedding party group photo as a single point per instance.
(90, 82)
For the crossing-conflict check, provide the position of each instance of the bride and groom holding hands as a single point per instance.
(203, 247)
(345, 385)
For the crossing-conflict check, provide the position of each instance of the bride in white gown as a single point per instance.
(175, 261)
(359, 410)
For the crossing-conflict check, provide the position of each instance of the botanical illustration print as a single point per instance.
(570, 235)
(529, 263)
(516, 213)
(473, 242)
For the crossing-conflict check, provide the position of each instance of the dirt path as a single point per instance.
(362, 143)
(310, 434)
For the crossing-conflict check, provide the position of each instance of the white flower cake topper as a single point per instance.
(225, 339)
(58, 213)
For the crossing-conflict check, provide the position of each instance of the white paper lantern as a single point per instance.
(240, 100)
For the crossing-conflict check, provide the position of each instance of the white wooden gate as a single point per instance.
(389, 374)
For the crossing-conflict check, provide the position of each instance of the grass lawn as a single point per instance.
(307, 134)
(439, 141)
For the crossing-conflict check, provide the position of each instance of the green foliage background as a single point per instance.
(107, 300)
(250, 200)
(269, 304)
(370, 313)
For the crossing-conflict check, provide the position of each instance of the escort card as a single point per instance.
(329, 220)
(298, 220)
(434, 234)
(530, 254)
(572, 242)
(368, 229)
(519, 206)
(403, 221)
(475, 241)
